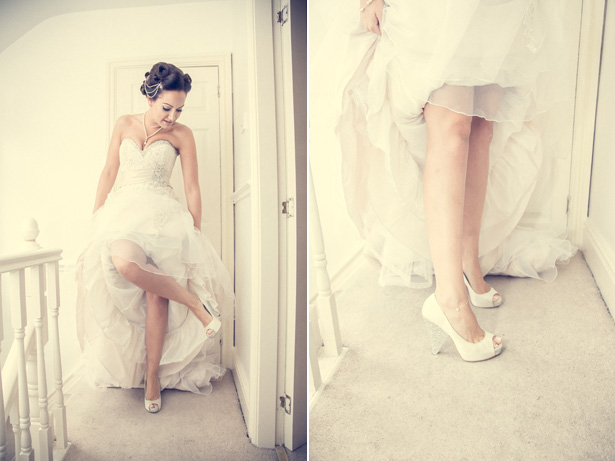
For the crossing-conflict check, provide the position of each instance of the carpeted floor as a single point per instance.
(549, 396)
(112, 424)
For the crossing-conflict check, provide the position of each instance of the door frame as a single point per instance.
(225, 93)
(583, 233)
(256, 386)
(290, 48)
(590, 47)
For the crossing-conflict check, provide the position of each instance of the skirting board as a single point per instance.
(601, 261)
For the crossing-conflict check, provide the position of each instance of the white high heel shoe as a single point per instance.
(152, 406)
(484, 300)
(214, 326)
(439, 328)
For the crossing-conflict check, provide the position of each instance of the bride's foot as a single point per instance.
(481, 293)
(457, 321)
(212, 324)
(462, 319)
(153, 400)
(207, 315)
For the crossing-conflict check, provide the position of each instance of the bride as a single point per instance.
(440, 130)
(151, 286)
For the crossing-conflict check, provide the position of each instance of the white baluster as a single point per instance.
(19, 319)
(3, 447)
(53, 300)
(44, 446)
(31, 373)
(327, 309)
(16, 430)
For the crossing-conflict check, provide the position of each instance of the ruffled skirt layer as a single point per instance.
(149, 227)
(505, 61)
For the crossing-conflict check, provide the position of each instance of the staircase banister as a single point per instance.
(22, 260)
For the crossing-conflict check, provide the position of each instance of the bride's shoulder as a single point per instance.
(183, 134)
(127, 121)
(182, 130)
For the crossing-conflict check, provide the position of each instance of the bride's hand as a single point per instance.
(371, 15)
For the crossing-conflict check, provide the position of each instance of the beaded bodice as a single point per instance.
(150, 167)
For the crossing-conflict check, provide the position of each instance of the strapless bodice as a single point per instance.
(150, 167)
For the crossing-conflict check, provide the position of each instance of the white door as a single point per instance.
(202, 115)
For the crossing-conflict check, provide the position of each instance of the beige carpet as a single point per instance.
(549, 396)
(112, 424)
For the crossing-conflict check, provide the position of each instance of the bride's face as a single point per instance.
(167, 108)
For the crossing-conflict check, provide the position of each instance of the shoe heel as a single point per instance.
(437, 336)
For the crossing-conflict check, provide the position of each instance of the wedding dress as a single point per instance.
(504, 60)
(143, 215)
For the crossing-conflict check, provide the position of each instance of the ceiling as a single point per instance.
(19, 16)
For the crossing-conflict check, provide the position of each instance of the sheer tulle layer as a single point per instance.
(501, 60)
(148, 226)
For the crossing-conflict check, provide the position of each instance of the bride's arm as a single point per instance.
(109, 172)
(187, 156)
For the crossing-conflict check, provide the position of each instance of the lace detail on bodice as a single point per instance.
(148, 168)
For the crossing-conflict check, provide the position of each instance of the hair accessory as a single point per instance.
(152, 90)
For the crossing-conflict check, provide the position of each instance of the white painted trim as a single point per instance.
(592, 19)
(601, 261)
(258, 400)
(241, 193)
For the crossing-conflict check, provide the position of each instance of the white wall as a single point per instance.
(54, 128)
(599, 244)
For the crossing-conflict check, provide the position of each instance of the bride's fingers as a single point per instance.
(371, 23)
(379, 17)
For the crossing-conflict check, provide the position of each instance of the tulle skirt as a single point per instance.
(505, 61)
(148, 226)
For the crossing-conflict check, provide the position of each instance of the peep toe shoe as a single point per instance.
(484, 300)
(214, 326)
(439, 328)
(152, 406)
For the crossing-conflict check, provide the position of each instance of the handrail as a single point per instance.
(23, 393)
(24, 260)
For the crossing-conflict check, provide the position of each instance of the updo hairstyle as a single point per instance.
(165, 77)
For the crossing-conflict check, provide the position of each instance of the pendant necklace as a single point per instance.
(144, 129)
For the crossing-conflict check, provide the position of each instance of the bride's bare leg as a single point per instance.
(475, 190)
(448, 136)
(155, 328)
(152, 280)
